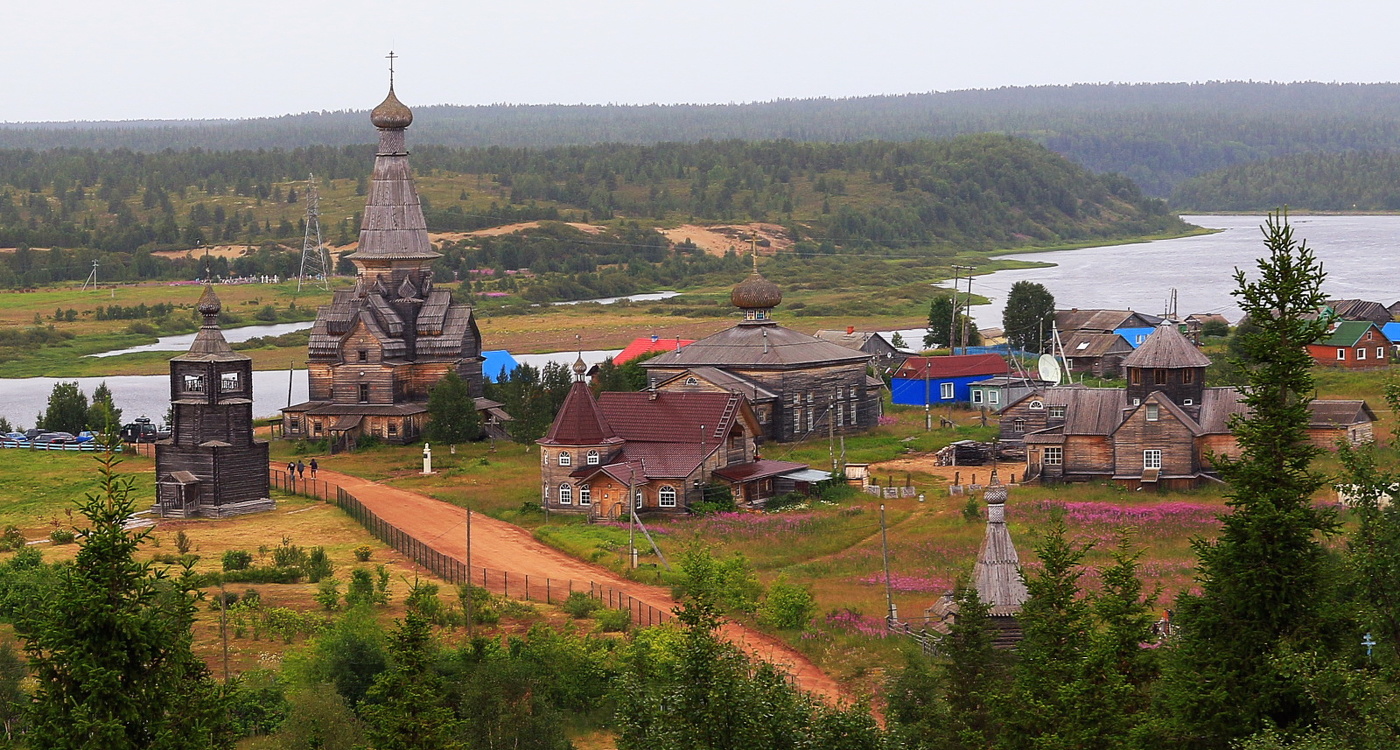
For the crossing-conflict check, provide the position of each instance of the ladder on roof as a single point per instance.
(729, 410)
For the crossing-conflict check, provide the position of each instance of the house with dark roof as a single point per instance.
(378, 348)
(1102, 321)
(881, 351)
(1353, 344)
(798, 385)
(1097, 354)
(1361, 310)
(1158, 432)
(943, 380)
(665, 449)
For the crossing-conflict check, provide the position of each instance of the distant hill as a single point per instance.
(1346, 181)
(1156, 134)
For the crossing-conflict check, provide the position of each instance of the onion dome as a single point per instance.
(580, 367)
(208, 304)
(407, 292)
(756, 292)
(391, 114)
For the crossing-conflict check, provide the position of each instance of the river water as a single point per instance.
(1358, 253)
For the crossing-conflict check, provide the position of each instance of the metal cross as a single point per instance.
(391, 56)
(1369, 643)
(753, 249)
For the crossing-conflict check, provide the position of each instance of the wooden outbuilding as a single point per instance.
(1098, 354)
(211, 465)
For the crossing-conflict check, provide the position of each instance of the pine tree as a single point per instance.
(406, 709)
(1261, 586)
(452, 416)
(110, 645)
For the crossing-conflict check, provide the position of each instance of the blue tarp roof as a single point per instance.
(1392, 332)
(1134, 336)
(496, 359)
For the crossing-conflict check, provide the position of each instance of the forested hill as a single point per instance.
(1347, 181)
(920, 198)
(1156, 134)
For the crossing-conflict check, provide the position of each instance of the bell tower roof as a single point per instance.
(209, 343)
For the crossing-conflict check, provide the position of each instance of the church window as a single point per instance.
(364, 355)
(364, 393)
(1152, 459)
(585, 495)
(194, 383)
(566, 494)
(1153, 412)
(592, 458)
(1054, 455)
(666, 498)
(565, 459)
(228, 381)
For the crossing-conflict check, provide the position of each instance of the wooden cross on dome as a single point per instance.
(391, 57)
(753, 249)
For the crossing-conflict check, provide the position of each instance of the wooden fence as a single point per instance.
(452, 570)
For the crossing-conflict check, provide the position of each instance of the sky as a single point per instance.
(169, 59)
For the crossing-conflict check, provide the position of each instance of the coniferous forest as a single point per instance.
(1346, 181)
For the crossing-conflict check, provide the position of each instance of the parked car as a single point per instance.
(86, 436)
(14, 440)
(142, 431)
(56, 438)
(33, 432)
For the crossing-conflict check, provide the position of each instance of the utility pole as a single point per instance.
(831, 432)
(952, 319)
(91, 279)
(967, 319)
(892, 615)
(313, 253)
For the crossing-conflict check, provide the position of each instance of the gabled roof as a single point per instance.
(1218, 405)
(768, 346)
(1349, 333)
(1102, 320)
(1360, 309)
(1334, 413)
(579, 421)
(209, 344)
(1094, 344)
(1166, 404)
(953, 366)
(673, 417)
(647, 345)
(857, 340)
(1166, 348)
(724, 380)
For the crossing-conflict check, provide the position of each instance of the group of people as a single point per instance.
(298, 470)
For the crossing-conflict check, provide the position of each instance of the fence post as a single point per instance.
(547, 600)
(505, 577)
(527, 587)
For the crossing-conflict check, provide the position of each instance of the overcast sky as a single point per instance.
(160, 59)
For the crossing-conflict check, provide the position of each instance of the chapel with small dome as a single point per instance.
(799, 386)
(379, 348)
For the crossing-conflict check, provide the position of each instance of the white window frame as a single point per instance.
(1036, 404)
(1360, 354)
(1057, 412)
(994, 396)
(566, 494)
(946, 391)
(565, 459)
(592, 458)
(666, 496)
(1152, 459)
(638, 499)
(585, 495)
(1053, 455)
(1018, 425)
(1341, 354)
(976, 395)
(1380, 352)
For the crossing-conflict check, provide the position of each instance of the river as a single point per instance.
(1357, 252)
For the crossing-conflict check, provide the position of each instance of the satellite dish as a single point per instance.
(1049, 369)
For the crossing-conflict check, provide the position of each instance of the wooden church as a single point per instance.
(211, 465)
(379, 348)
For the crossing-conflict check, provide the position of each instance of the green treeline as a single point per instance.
(1156, 134)
(970, 192)
(1346, 181)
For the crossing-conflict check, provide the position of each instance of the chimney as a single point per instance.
(850, 330)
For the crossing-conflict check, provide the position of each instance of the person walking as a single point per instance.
(291, 472)
(301, 469)
(313, 468)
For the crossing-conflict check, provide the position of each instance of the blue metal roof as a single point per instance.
(1134, 336)
(496, 360)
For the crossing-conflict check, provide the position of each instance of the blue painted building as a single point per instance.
(1134, 336)
(943, 380)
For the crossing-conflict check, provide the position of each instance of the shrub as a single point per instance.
(972, 510)
(252, 598)
(263, 575)
(318, 565)
(12, 538)
(784, 501)
(237, 559)
(223, 600)
(62, 536)
(363, 552)
(423, 599)
(328, 594)
(361, 589)
(267, 313)
(288, 555)
(183, 544)
(788, 606)
(581, 605)
(614, 620)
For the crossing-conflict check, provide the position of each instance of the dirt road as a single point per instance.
(503, 546)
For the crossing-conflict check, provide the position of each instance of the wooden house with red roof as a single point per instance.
(663, 448)
(1158, 432)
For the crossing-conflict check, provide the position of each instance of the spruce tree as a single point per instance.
(406, 707)
(110, 645)
(1029, 316)
(452, 412)
(1260, 580)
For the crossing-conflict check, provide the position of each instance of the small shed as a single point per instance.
(1335, 420)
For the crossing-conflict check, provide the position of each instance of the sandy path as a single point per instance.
(503, 546)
